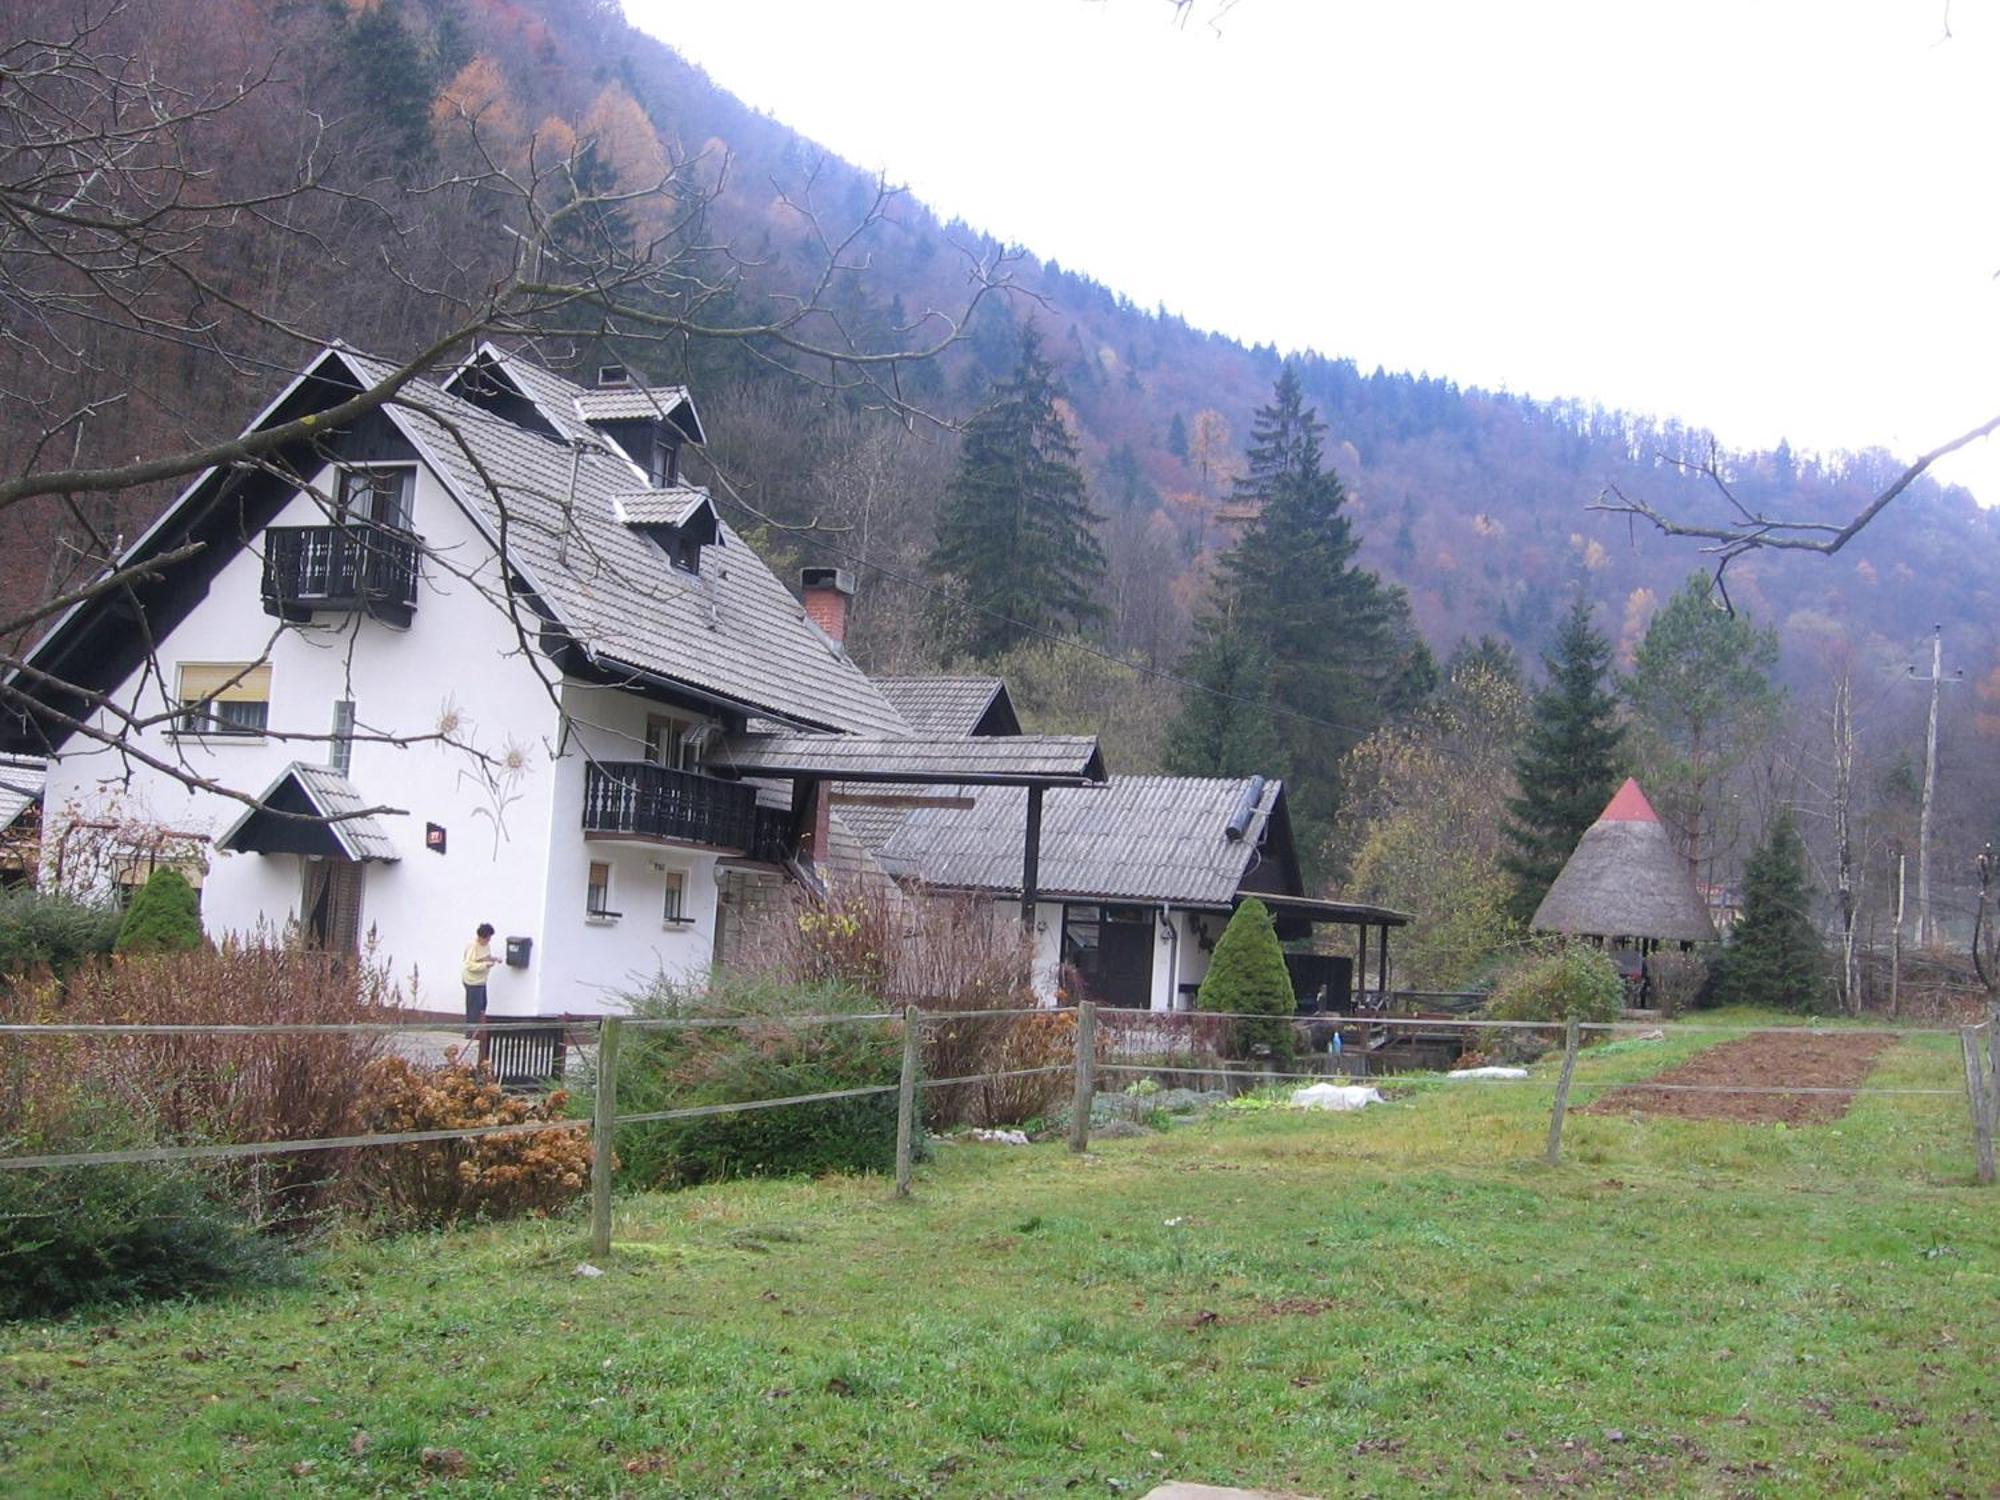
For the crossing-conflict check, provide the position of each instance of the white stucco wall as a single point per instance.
(515, 853)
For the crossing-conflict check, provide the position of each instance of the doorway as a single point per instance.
(1112, 948)
(330, 906)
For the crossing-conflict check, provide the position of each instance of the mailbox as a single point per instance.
(518, 949)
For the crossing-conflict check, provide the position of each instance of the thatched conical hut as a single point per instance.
(1626, 881)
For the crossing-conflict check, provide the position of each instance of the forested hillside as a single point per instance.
(1475, 502)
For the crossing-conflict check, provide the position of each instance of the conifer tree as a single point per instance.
(1340, 650)
(1570, 763)
(164, 917)
(1224, 726)
(1775, 957)
(1248, 977)
(1015, 531)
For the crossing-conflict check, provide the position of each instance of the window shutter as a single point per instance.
(225, 682)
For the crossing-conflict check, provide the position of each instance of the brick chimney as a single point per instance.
(827, 591)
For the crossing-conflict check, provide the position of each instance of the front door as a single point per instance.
(1112, 948)
(330, 906)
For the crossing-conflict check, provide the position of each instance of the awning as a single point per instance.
(1000, 760)
(328, 822)
(1345, 913)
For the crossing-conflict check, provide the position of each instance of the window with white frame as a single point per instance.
(376, 493)
(340, 749)
(674, 906)
(675, 743)
(223, 698)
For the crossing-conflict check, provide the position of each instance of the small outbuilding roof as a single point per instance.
(21, 782)
(952, 705)
(1626, 880)
(319, 793)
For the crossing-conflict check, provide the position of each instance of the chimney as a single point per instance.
(827, 591)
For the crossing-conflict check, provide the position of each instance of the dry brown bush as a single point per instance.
(198, 1088)
(427, 1184)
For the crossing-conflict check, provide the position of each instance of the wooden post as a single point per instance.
(1976, 1098)
(1562, 1092)
(1086, 1076)
(906, 1100)
(1031, 859)
(603, 1128)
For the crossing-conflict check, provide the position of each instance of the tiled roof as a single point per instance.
(1140, 839)
(941, 705)
(670, 507)
(330, 795)
(733, 630)
(627, 403)
(1050, 759)
(20, 788)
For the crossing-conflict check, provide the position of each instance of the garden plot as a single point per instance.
(1764, 1061)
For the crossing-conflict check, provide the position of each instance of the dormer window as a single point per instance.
(380, 494)
(613, 377)
(664, 468)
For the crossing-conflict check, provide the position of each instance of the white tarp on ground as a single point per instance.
(1341, 1096)
(1489, 1073)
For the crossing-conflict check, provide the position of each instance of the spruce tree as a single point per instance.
(1248, 977)
(1570, 763)
(1015, 535)
(1340, 649)
(1224, 726)
(164, 917)
(1775, 957)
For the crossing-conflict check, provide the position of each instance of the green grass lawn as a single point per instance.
(1404, 1301)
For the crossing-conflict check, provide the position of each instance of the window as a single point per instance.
(340, 749)
(378, 495)
(224, 698)
(674, 909)
(597, 895)
(674, 743)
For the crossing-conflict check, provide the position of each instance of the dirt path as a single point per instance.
(1765, 1059)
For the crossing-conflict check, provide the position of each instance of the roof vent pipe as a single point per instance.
(1246, 808)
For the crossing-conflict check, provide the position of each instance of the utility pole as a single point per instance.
(1937, 681)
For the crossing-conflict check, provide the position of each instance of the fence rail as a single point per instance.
(1980, 1046)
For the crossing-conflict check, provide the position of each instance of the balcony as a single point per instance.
(637, 800)
(360, 568)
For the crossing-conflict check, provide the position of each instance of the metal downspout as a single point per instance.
(1173, 958)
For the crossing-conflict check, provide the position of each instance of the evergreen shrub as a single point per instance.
(1248, 977)
(765, 1058)
(38, 930)
(164, 917)
(121, 1232)
(1574, 980)
(1774, 957)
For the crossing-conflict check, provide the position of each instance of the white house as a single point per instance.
(479, 656)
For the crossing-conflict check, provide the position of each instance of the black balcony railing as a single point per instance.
(360, 567)
(636, 799)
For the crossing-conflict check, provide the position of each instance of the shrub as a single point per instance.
(1574, 980)
(430, 1184)
(38, 931)
(1676, 980)
(765, 1058)
(196, 1088)
(164, 917)
(1248, 977)
(122, 1231)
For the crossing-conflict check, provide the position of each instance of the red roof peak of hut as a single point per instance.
(1629, 806)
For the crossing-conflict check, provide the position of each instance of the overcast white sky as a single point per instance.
(1770, 219)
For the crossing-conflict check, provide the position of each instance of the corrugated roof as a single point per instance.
(21, 783)
(733, 630)
(941, 705)
(944, 759)
(1140, 839)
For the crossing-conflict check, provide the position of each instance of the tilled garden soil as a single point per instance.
(1763, 1060)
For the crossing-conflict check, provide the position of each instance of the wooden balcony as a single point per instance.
(639, 801)
(359, 568)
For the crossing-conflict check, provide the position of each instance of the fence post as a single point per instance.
(1976, 1097)
(906, 1101)
(1086, 1076)
(603, 1128)
(1562, 1092)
